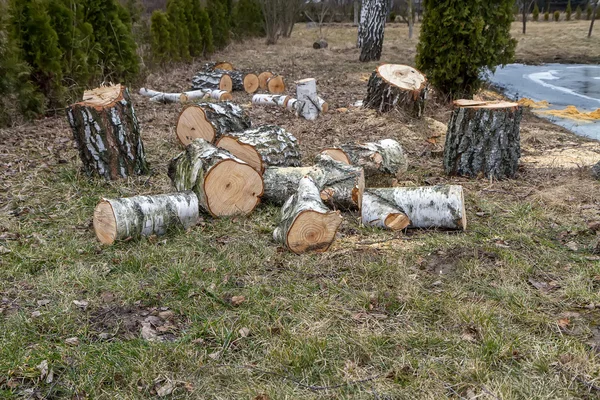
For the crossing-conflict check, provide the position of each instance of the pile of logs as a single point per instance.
(308, 104)
(222, 76)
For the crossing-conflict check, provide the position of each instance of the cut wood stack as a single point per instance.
(213, 80)
(239, 80)
(263, 77)
(209, 121)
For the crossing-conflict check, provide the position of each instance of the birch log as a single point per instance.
(271, 100)
(210, 121)
(267, 145)
(241, 81)
(306, 223)
(275, 84)
(107, 133)
(397, 87)
(371, 31)
(263, 78)
(223, 65)
(483, 138)
(378, 212)
(121, 219)
(306, 92)
(385, 156)
(224, 184)
(441, 206)
(215, 80)
(161, 97)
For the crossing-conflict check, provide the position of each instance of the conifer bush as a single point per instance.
(536, 12)
(219, 22)
(248, 19)
(568, 11)
(205, 30)
(546, 16)
(459, 40)
(588, 11)
(160, 37)
(556, 16)
(179, 30)
(578, 13)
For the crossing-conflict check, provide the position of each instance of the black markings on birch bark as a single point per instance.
(209, 121)
(214, 80)
(371, 29)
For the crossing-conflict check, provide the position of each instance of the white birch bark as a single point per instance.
(380, 213)
(306, 92)
(371, 31)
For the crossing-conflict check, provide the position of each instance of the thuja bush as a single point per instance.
(462, 38)
(160, 37)
(556, 16)
(219, 22)
(248, 19)
(578, 13)
(536, 12)
(568, 11)
(546, 16)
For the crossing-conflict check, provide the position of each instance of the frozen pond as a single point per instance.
(561, 85)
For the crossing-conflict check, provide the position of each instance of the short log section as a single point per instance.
(385, 156)
(267, 145)
(263, 78)
(275, 84)
(306, 93)
(397, 87)
(306, 223)
(320, 44)
(107, 133)
(380, 213)
(429, 207)
(215, 80)
(224, 65)
(224, 184)
(209, 121)
(483, 138)
(131, 218)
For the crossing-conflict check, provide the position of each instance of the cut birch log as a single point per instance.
(306, 223)
(267, 145)
(381, 213)
(441, 206)
(306, 92)
(263, 78)
(395, 86)
(251, 83)
(215, 80)
(133, 217)
(371, 31)
(107, 133)
(322, 105)
(224, 65)
(224, 184)
(320, 44)
(161, 97)
(210, 121)
(483, 138)
(275, 84)
(385, 156)
(241, 81)
(271, 100)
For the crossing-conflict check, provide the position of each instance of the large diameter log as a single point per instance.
(224, 184)
(306, 223)
(223, 65)
(267, 145)
(385, 156)
(133, 217)
(209, 121)
(107, 133)
(275, 84)
(381, 213)
(441, 206)
(306, 92)
(483, 139)
(371, 31)
(397, 87)
(263, 78)
(215, 80)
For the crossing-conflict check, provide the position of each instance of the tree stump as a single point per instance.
(107, 133)
(263, 78)
(306, 223)
(320, 44)
(483, 139)
(306, 92)
(224, 184)
(121, 219)
(441, 206)
(214, 80)
(267, 145)
(275, 84)
(371, 30)
(385, 156)
(209, 121)
(394, 86)
(380, 213)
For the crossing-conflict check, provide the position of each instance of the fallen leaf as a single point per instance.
(35, 314)
(107, 297)
(244, 332)
(237, 300)
(43, 302)
(563, 322)
(73, 341)
(50, 377)
(188, 387)
(572, 246)
(262, 396)
(149, 334)
(216, 355)
(166, 315)
(43, 368)
(165, 389)
(81, 303)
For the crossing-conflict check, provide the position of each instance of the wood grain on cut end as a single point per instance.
(313, 231)
(226, 83)
(359, 190)
(276, 85)
(402, 76)
(192, 124)
(463, 217)
(227, 66)
(251, 83)
(232, 188)
(244, 152)
(397, 221)
(263, 77)
(102, 96)
(465, 103)
(225, 96)
(105, 224)
(337, 154)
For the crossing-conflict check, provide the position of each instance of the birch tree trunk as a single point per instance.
(107, 133)
(372, 29)
(362, 25)
(121, 219)
(209, 121)
(306, 223)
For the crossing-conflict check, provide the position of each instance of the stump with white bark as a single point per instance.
(371, 31)
(210, 121)
(306, 93)
(267, 145)
(397, 87)
(213, 80)
(133, 217)
(483, 139)
(441, 206)
(275, 84)
(224, 184)
(107, 133)
(380, 213)
(306, 223)
(385, 156)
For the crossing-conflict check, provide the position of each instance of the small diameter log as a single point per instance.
(161, 97)
(320, 44)
(224, 184)
(385, 156)
(441, 206)
(381, 213)
(306, 223)
(127, 218)
(271, 100)
(395, 86)
(241, 81)
(215, 80)
(483, 138)
(275, 84)
(322, 105)
(251, 83)
(107, 133)
(263, 77)
(210, 121)
(224, 65)
(306, 92)
(267, 145)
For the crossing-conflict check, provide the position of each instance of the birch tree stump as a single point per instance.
(372, 29)
(209, 121)
(385, 156)
(380, 213)
(107, 133)
(224, 184)
(441, 206)
(306, 223)
(394, 86)
(275, 84)
(483, 139)
(267, 145)
(306, 92)
(121, 219)
(215, 80)
(263, 78)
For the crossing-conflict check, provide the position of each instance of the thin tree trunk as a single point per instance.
(593, 19)
(411, 19)
(524, 18)
(356, 12)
